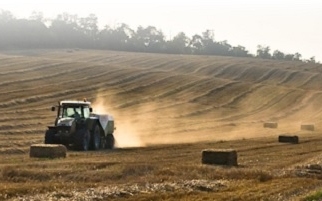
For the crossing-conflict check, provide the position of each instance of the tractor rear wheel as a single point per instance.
(103, 142)
(96, 138)
(82, 139)
(110, 141)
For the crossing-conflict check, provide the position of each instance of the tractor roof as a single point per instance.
(73, 102)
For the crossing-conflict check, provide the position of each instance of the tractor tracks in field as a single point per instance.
(33, 98)
(145, 73)
(42, 77)
(305, 101)
(209, 107)
(37, 67)
(265, 106)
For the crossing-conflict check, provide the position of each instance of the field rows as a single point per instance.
(202, 85)
(162, 99)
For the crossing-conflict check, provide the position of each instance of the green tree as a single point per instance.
(119, 38)
(179, 44)
(289, 57)
(208, 38)
(88, 26)
(263, 52)
(6, 18)
(196, 44)
(67, 33)
(21, 33)
(239, 51)
(207, 45)
(278, 55)
(297, 56)
(149, 39)
(312, 60)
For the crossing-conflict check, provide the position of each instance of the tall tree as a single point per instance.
(88, 26)
(263, 52)
(6, 33)
(297, 56)
(119, 38)
(179, 44)
(278, 55)
(196, 44)
(239, 51)
(312, 60)
(289, 57)
(208, 37)
(149, 39)
(67, 33)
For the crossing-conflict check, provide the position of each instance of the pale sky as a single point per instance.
(287, 25)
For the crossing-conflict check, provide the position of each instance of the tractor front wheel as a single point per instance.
(50, 137)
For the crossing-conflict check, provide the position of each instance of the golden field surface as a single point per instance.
(167, 109)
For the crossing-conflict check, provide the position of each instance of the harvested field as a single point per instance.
(167, 109)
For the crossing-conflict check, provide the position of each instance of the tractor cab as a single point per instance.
(72, 109)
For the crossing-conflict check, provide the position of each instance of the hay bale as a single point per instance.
(288, 139)
(308, 127)
(220, 157)
(48, 151)
(270, 125)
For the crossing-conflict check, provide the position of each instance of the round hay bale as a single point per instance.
(220, 157)
(270, 125)
(308, 127)
(288, 139)
(48, 151)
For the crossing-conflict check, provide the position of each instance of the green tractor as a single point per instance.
(76, 126)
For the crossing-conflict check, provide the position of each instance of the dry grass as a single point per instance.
(170, 107)
(264, 168)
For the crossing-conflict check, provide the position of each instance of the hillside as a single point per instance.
(161, 100)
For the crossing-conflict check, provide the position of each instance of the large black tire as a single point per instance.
(103, 142)
(50, 137)
(82, 139)
(96, 138)
(110, 141)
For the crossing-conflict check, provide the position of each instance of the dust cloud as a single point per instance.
(154, 123)
(150, 124)
(126, 133)
(147, 124)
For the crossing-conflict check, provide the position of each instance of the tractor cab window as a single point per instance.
(86, 112)
(76, 111)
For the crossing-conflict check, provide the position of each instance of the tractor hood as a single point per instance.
(67, 121)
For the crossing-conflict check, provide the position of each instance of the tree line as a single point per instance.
(71, 31)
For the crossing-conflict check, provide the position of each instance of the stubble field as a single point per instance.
(167, 109)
